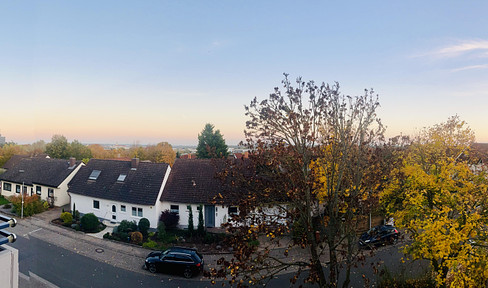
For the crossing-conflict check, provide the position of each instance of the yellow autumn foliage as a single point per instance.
(442, 203)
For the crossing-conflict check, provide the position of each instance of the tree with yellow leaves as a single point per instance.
(312, 157)
(439, 197)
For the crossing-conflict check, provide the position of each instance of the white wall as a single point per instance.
(221, 215)
(9, 261)
(85, 205)
(61, 194)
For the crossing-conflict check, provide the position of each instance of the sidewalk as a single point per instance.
(128, 257)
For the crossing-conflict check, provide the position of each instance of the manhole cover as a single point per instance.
(99, 250)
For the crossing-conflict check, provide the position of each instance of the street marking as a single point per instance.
(33, 231)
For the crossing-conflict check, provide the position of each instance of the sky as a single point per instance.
(151, 71)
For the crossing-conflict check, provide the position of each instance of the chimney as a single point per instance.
(134, 163)
(72, 162)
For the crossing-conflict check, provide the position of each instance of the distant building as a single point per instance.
(2, 139)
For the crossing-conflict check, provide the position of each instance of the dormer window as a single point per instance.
(121, 178)
(94, 175)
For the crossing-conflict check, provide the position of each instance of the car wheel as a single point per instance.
(152, 268)
(188, 273)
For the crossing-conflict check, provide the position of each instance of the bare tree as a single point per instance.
(311, 151)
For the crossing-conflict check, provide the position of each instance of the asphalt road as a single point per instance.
(68, 269)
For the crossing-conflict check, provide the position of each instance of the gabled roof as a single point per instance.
(42, 171)
(140, 186)
(16, 159)
(193, 181)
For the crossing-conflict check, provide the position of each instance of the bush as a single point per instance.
(127, 226)
(150, 244)
(191, 228)
(7, 206)
(107, 236)
(143, 226)
(32, 205)
(45, 205)
(89, 223)
(170, 219)
(67, 218)
(136, 237)
(161, 231)
(200, 229)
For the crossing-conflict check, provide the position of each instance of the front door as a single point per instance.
(114, 213)
(209, 216)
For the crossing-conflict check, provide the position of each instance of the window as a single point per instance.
(7, 186)
(38, 190)
(232, 210)
(94, 175)
(96, 204)
(114, 208)
(136, 211)
(114, 217)
(175, 209)
(121, 177)
(17, 188)
(122, 208)
(50, 192)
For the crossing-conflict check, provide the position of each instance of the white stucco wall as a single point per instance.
(85, 205)
(221, 215)
(61, 193)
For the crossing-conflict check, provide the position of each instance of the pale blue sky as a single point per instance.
(151, 71)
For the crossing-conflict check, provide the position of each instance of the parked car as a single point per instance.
(176, 260)
(379, 235)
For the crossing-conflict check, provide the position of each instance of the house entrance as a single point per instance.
(114, 213)
(209, 216)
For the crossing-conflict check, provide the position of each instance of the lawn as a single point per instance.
(3, 200)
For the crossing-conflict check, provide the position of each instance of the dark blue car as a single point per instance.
(176, 260)
(379, 235)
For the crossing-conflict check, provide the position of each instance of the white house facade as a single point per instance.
(120, 190)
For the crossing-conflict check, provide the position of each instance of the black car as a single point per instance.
(176, 260)
(379, 235)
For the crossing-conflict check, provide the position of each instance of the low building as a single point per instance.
(48, 178)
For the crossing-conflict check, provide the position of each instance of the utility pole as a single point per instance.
(22, 209)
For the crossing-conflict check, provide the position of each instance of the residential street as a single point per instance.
(73, 259)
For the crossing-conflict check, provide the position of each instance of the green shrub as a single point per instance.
(89, 223)
(32, 205)
(161, 231)
(136, 238)
(107, 236)
(191, 228)
(127, 226)
(150, 244)
(67, 218)
(7, 206)
(200, 229)
(143, 226)
(45, 205)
